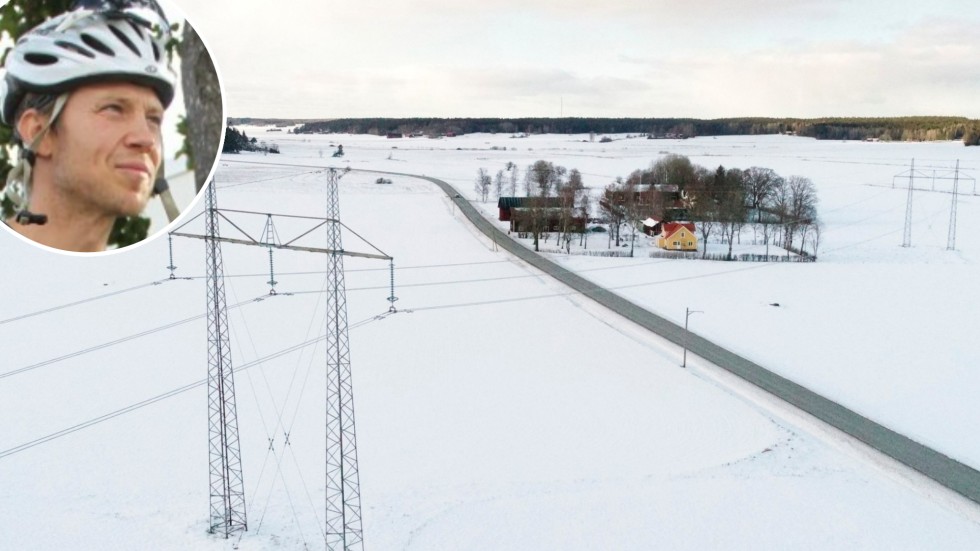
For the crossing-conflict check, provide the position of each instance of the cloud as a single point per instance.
(924, 71)
(649, 10)
(544, 58)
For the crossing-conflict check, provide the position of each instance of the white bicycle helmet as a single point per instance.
(110, 43)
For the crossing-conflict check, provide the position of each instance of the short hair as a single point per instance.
(43, 103)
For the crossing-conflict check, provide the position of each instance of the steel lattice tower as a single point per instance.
(907, 235)
(951, 236)
(227, 487)
(343, 499)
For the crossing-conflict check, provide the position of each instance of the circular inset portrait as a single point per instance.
(111, 118)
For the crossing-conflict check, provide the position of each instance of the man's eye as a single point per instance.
(155, 120)
(113, 107)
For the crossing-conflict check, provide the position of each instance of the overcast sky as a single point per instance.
(594, 58)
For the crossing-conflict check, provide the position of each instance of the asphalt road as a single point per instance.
(947, 471)
(952, 474)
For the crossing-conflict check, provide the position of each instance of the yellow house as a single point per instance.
(678, 236)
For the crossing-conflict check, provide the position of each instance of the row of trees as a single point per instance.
(236, 142)
(557, 200)
(721, 201)
(896, 128)
(888, 129)
(972, 135)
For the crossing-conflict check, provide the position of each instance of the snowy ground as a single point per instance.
(885, 330)
(499, 413)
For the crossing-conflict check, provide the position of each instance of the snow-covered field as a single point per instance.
(495, 411)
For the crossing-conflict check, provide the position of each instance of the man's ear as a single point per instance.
(31, 123)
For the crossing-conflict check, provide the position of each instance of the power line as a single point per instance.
(322, 272)
(144, 403)
(117, 341)
(190, 278)
(83, 301)
(280, 177)
(309, 342)
(753, 266)
(430, 284)
(180, 390)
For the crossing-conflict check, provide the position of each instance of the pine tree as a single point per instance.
(972, 135)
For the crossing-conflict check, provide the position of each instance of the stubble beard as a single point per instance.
(100, 198)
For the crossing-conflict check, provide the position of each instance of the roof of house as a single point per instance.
(524, 202)
(670, 228)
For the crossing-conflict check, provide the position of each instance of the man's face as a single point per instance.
(106, 148)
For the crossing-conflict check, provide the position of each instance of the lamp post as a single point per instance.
(687, 315)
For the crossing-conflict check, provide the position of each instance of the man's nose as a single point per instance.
(143, 134)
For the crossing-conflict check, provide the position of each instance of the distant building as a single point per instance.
(652, 227)
(505, 204)
(549, 220)
(677, 236)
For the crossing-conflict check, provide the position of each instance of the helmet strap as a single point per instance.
(19, 179)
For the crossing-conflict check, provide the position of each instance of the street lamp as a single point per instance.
(687, 314)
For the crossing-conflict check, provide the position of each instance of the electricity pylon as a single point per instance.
(907, 235)
(951, 236)
(343, 499)
(227, 487)
(343, 491)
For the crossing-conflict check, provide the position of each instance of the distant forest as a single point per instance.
(889, 129)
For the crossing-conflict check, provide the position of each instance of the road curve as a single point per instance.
(945, 470)
(952, 474)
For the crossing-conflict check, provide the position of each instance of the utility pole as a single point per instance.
(687, 334)
(227, 487)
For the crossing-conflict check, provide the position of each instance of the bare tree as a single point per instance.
(541, 180)
(815, 232)
(612, 208)
(766, 233)
(498, 183)
(703, 205)
(633, 206)
(568, 193)
(802, 207)
(513, 179)
(673, 170)
(779, 206)
(730, 193)
(760, 184)
(584, 208)
(482, 184)
(543, 176)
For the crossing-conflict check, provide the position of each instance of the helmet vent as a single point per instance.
(124, 39)
(136, 28)
(74, 48)
(40, 59)
(97, 45)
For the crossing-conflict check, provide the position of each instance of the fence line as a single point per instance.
(692, 255)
